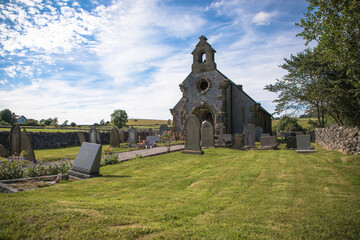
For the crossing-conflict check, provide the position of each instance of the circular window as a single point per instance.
(203, 85)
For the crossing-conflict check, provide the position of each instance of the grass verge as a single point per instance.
(222, 194)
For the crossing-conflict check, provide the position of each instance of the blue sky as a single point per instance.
(81, 60)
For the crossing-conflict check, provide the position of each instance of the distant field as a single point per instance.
(302, 122)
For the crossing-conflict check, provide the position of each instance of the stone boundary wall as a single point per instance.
(340, 138)
(43, 140)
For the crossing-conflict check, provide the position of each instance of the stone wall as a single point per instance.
(343, 139)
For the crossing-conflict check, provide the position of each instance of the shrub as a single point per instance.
(288, 124)
(109, 159)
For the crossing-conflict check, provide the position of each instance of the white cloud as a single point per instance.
(263, 18)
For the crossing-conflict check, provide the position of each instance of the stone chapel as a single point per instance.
(210, 95)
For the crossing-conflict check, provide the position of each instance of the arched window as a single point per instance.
(202, 57)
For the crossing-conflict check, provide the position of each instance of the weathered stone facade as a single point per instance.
(343, 139)
(210, 95)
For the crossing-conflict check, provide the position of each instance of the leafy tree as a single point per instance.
(54, 122)
(304, 87)
(65, 123)
(289, 124)
(7, 116)
(169, 121)
(30, 122)
(73, 124)
(102, 122)
(335, 26)
(3, 123)
(119, 118)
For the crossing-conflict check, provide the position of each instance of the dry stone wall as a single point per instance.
(343, 139)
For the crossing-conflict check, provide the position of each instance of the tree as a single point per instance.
(65, 123)
(335, 26)
(102, 122)
(288, 124)
(30, 122)
(304, 87)
(7, 116)
(119, 118)
(54, 122)
(73, 124)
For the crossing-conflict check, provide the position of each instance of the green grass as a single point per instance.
(224, 193)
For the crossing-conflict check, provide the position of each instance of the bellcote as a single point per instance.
(203, 57)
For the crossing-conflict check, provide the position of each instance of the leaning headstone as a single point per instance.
(303, 144)
(291, 142)
(258, 133)
(268, 143)
(163, 128)
(114, 137)
(26, 147)
(151, 140)
(87, 162)
(132, 140)
(121, 136)
(15, 140)
(3, 151)
(81, 137)
(238, 141)
(207, 134)
(192, 136)
(249, 132)
(92, 135)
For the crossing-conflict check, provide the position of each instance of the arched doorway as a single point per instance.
(204, 114)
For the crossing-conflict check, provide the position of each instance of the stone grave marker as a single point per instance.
(238, 141)
(291, 142)
(87, 162)
(258, 133)
(26, 146)
(3, 151)
(121, 136)
(268, 143)
(192, 136)
(303, 144)
(132, 140)
(151, 140)
(92, 135)
(151, 132)
(114, 137)
(15, 140)
(81, 137)
(207, 134)
(163, 128)
(98, 137)
(249, 132)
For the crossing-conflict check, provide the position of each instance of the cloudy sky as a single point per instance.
(80, 60)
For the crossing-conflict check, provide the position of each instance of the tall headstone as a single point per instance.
(268, 143)
(192, 136)
(92, 135)
(163, 128)
(114, 137)
(303, 144)
(15, 140)
(121, 136)
(258, 133)
(249, 132)
(26, 146)
(207, 134)
(132, 140)
(81, 137)
(87, 162)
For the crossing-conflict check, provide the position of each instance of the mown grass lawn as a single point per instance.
(224, 193)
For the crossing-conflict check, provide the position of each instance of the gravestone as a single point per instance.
(15, 140)
(207, 134)
(87, 162)
(303, 144)
(238, 141)
(268, 143)
(265, 135)
(114, 137)
(163, 128)
(291, 142)
(3, 151)
(220, 141)
(132, 140)
(192, 136)
(258, 133)
(121, 136)
(151, 132)
(81, 137)
(249, 132)
(98, 137)
(151, 140)
(93, 135)
(26, 146)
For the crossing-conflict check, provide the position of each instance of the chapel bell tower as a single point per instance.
(204, 57)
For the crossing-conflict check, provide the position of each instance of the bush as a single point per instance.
(109, 159)
(289, 124)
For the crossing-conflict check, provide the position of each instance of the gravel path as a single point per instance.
(124, 156)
